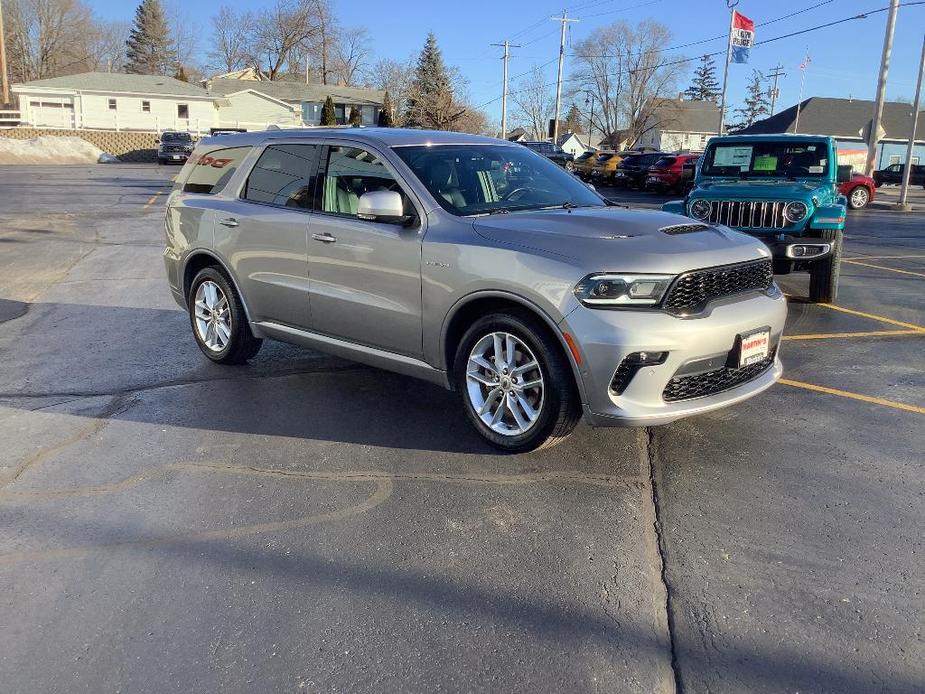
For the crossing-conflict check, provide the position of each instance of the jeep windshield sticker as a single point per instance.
(733, 156)
(816, 169)
(765, 162)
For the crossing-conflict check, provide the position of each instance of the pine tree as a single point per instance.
(386, 117)
(180, 74)
(328, 114)
(704, 86)
(356, 118)
(431, 103)
(148, 47)
(756, 104)
(573, 120)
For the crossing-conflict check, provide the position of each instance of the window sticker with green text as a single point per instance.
(765, 162)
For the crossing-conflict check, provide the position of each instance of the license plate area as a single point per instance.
(753, 347)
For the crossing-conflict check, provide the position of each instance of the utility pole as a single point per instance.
(774, 92)
(506, 45)
(907, 169)
(872, 137)
(4, 73)
(555, 119)
(722, 104)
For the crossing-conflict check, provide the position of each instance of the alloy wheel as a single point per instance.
(859, 197)
(505, 384)
(213, 316)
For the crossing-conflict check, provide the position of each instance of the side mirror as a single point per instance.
(384, 206)
(844, 173)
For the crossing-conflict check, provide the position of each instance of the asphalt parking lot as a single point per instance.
(304, 523)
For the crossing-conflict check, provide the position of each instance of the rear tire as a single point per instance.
(554, 401)
(229, 340)
(823, 274)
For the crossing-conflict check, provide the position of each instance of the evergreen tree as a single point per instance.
(328, 114)
(180, 74)
(704, 85)
(431, 103)
(148, 48)
(573, 120)
(386, 117)
(356, 118)
(756, 105)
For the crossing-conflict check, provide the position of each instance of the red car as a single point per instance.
(859, 190)
(668, 172)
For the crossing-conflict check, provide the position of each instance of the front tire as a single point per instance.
(858, 198)
(515, 383)
(218, 320)
(823, 274)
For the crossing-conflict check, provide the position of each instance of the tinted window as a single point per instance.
(284, 175)
(584, 156)
(782, 158)
(480, 179)
(665, 162)
(210, 172)
(175, 137)
(604, 157)
(350, 173)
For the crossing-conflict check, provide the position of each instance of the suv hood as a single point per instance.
(611, 239)
(770, 189)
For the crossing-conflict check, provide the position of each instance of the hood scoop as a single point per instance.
(676, 229)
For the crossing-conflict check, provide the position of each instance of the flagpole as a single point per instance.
(796, 123)
(722, 104)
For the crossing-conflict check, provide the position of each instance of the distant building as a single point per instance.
(678, 124)
(114, 101)
(846, 120)
(518, 135)
(572, 143)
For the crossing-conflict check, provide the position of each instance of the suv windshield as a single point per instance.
(759, 159)
(176, 137)
(484, 179)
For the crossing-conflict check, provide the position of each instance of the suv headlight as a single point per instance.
(795, 211)
(606, 289)
(700, 209)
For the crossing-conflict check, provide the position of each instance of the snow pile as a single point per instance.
(50, 150)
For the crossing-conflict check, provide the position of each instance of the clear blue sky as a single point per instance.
(845, 58)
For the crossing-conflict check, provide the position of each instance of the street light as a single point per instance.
(589, 99)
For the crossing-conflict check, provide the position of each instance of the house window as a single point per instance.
(146, 106)
(182, 111)
(112, 104)
(915, 161)
(894, 159)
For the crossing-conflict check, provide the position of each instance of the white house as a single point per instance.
(115, 101)
(245, 109)
(572, 144)
(677, 124)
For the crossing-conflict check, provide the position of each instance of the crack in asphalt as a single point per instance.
(647, 451)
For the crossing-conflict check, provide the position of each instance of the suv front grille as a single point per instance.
(692, 291)
(712, 382)
(748, 214)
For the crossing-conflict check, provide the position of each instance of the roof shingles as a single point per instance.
(120, 82)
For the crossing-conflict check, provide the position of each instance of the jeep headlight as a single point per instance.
(795, 211)
(700, 209)
(606, 289)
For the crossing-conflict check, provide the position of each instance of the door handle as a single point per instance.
(230, 222)
(324, 238)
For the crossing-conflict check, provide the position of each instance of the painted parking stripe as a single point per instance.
(853, 396)
(883, 267)
(873, 316)
(881, 257)
(152, 199)
(867, 333)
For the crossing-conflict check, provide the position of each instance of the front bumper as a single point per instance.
(606, 337)
(799, 248)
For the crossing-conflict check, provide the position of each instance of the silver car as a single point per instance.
(473, 263)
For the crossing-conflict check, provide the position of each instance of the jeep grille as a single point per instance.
(748, 214)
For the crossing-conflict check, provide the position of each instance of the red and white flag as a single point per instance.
(742, 37)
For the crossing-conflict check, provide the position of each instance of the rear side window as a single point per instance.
(210, 172)
(284, 175)
(665, 162)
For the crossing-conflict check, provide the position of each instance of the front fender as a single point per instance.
(674, 206)
(829, 216)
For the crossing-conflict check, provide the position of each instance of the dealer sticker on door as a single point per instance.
(754, 347)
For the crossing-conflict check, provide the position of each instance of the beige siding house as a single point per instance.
(243, 109)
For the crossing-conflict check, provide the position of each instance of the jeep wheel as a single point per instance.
(823, 274)
(515, 383)
(858, 198)
(218, 319)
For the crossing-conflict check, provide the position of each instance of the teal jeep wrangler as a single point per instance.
(782, 189)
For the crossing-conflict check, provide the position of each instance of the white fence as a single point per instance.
(64, 118)
(9, 119)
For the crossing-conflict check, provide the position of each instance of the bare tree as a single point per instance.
(624, 68)
(350, 56)
(46, 37)
(534, 103)
(106, 46)
(394, 77)
(279, 33)
(232, 32)
(184, 36)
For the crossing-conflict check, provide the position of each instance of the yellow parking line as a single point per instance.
(153, 198)
(868, 333)
(883, 267)
(881, 257)
(854, 396)
(872, 316)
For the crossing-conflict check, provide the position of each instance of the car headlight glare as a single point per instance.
(700, 209)
(606, 289)
(795, 211)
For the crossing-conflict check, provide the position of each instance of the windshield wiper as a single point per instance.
(501, 210)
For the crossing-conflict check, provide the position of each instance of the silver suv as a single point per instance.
(473, 263)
